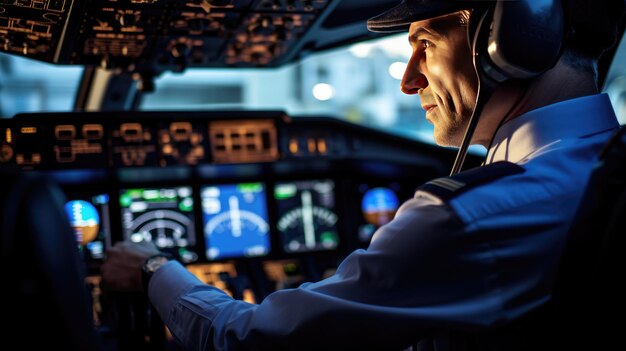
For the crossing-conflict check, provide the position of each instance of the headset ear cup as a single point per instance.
(526, 37)
(479, 30)
(516, 39)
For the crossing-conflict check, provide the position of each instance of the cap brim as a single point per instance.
(400, 17)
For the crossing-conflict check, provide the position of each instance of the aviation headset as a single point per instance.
(511, 39)
(517, 39)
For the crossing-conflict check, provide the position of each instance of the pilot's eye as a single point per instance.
(425, 43)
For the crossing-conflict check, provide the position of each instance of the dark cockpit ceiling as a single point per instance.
(152, 36)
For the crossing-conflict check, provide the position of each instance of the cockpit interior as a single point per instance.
(257, 141)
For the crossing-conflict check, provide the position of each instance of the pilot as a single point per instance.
(468, 253)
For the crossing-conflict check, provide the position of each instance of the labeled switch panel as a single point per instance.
(157, 35)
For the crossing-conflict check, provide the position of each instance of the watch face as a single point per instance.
(155, 262)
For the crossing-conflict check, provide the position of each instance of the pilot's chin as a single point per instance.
(447, 139)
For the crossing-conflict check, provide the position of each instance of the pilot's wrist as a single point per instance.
(151, 265)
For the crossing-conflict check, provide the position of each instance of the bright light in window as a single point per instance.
(396, 70)
(361, 50)
(323, 91)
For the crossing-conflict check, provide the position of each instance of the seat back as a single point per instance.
(589, 292)
(588, 295)
(46, 304)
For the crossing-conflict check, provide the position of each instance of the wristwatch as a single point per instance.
(151, 265)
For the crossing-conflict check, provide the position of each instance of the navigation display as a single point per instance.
(89, 218)
(163, 216)
(235, 220)
(306, 217)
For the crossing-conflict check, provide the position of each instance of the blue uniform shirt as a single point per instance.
(479, 260)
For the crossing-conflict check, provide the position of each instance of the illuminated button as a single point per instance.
(168, 149)
(64, 154)
(166, 138)
(293, 145)
(321, 146)
(28, 130)
(131, 132)
(93, 131)
(181, 131)
(65, 132)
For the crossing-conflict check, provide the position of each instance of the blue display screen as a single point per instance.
(379, 205)
(235, 220)
(89, 218)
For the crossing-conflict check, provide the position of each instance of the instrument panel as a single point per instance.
(216, 221)
(209, 222)
(250, 201)
(52, 141)
(220, 186)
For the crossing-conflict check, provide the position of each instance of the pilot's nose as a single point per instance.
(413, 79)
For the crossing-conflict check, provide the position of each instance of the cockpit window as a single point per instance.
(358, 83)
(31, 86)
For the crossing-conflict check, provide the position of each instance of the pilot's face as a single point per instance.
(441, 72)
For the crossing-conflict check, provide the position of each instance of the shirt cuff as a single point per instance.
(167, 285)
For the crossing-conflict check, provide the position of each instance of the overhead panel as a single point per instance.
(152, 36)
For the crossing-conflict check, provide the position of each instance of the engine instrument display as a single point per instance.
(306, 217)
(163, 216)
(235, 220)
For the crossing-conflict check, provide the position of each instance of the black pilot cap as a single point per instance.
(400, 17)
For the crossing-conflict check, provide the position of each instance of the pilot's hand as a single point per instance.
(121, 271)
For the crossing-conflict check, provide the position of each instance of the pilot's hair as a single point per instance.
(464, 16)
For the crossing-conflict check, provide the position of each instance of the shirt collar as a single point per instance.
(520, 137)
